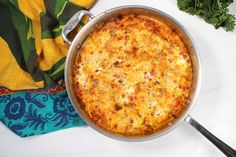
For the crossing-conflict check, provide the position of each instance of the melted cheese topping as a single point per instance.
(133, 75)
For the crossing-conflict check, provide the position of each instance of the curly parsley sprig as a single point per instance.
(215, 12)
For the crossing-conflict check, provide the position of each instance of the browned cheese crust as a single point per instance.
(133, 75)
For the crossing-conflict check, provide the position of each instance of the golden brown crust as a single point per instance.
(133, 75)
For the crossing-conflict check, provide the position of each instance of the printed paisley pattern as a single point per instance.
(15, 108)
(33, 114)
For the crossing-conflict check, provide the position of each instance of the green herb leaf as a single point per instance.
(214, 12)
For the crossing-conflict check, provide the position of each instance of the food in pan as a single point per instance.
(133, 75)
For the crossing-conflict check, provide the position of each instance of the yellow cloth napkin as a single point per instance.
(32, 49)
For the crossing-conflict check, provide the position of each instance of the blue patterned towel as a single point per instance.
(29, 114)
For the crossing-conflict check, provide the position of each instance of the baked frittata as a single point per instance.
(133, 75)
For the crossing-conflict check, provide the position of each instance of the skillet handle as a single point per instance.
(73, 22)
(226, 149)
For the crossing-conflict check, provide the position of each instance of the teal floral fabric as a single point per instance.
(28, 114)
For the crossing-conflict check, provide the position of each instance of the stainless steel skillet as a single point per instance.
(173, 24)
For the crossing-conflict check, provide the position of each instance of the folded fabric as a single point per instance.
(32, 49)
(29, 114)
(32, 56)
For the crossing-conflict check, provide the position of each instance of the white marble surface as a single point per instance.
(215, 109)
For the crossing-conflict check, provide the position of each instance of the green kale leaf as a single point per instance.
(214, 12)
